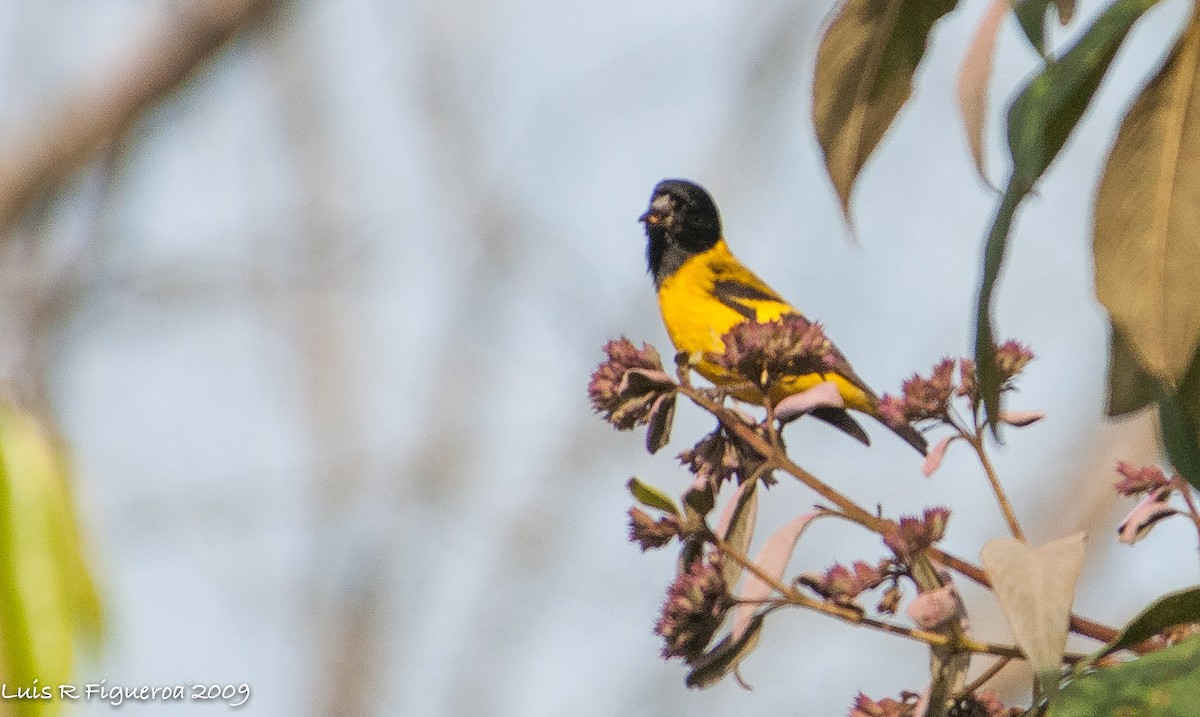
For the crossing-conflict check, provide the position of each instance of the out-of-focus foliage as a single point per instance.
(1040, 120)
(1164, 684)
(48, 602)
(1147, 211)
(865, 68)
(1178, 608)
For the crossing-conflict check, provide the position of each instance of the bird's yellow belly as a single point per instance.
(696, 321)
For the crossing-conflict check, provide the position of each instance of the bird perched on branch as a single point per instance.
(704, 291)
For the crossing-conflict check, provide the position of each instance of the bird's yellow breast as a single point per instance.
(697, 313)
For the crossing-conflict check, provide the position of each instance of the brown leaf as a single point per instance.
(1130, 388)
(865, 67)
(1066, 11)
(1146, 248)
(973, 77)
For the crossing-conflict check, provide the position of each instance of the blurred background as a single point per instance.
(316, 324)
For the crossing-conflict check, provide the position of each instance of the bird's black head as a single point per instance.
(682, 221)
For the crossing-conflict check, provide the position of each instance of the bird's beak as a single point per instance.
(659, 211)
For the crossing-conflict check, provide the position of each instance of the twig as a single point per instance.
(1010, 517)
(851, 615)
(852, 510)
(103, 109)
(987, 675)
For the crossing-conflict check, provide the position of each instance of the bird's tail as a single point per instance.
(910, 435)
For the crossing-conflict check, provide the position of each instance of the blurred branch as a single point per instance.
(172, 47)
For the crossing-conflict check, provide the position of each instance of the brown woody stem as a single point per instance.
(855, 512)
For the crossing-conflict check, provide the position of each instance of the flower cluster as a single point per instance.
(924, 398)
(1011, 358)
(843, 584)
(1139, 481)
(631, 388)
(722, 456)
(864, 706)
(1155, 489)
(650, 533)
(929, 399)
(983, 704)
(694, 609)
(762, 353)
(912, 534)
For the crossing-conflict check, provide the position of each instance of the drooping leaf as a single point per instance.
(773, 560)
(1039, 122)
(1146, 248)
(985, 340)
(974, 75)
(1066, 11)
(933, 460)
(700, 497)
(1035, 588)
(658, 427)
(1177, 608)
(736, 527)
(1021, 419)
(1130, 388)
(1179, 434)
(48, 602)
(1031, 14)
(864, 75)
(1145, 516)
(651, 497)
(724, 656)
(1161, 684)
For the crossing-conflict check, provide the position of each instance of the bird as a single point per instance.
(704, 291)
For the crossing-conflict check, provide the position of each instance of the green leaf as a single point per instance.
(1177, 608)
(1145, 244)
(1179, 433)
(985, 339)
(1039, 122)
(48, 603)
(1130, 388)
(1047, 110)
(651, 497)
(1031, 14)
(1162, 684)
(864, 75)
(1187, 404)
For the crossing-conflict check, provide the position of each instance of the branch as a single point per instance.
(104, 108)
(795, 597)
(855, 512)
